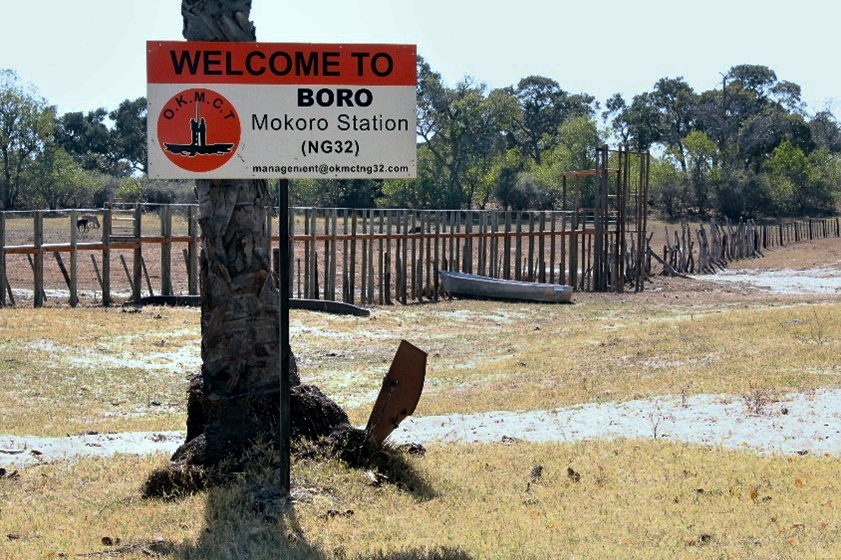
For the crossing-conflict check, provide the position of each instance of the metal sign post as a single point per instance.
(285, 348)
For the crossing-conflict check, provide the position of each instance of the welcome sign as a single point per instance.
(277, 110)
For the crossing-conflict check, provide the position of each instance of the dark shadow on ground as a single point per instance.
(248, 517)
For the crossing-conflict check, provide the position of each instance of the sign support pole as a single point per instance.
(285, 349)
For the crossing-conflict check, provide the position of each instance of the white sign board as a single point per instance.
(221, 110)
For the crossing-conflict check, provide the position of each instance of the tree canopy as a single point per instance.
(728, 150)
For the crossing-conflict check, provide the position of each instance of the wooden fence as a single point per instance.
(369, 256)
(708, 249)
(121, 235)
(386, 256)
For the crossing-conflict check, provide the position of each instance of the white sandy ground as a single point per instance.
(818, 281)
(793, 423)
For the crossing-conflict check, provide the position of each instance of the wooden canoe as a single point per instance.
(473, 285)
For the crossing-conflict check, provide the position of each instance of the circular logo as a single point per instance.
(199, 130)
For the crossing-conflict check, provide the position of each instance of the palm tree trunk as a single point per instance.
(235, 399)
(234, 402)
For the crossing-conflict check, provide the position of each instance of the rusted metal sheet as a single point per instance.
(400, 393)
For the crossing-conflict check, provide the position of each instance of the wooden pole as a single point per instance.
(346, 273)
(404, 264)
(136, 285)
(353, 232)
(193, 252)
(310, 255)
(3, 283)
(371, 215)
(62, 268)
(334, 227)
(146, 275)
(98, 275)
(166, 251)
(105, 281)
(436, 263)
(291, 242)
(74, 260)
(386, 273)
(518, 251)
(413, 285)
(364, 278)
(129, 277)
(552, 248)
(38, 265)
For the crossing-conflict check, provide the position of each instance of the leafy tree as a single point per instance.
(756, 80)
(335, 193)
(529, 193)
(128, 136)
(676, 103)
(462, 128)
(701, 153)
(577, 140)
(87, 138)
(637, 124)
(56, 180)
(116, 148)
(713, 119)
(668, 187)
(131, 189)
(802, 184)
(615, 115)
(26, 124)
(543, 107)
(742, 193)
(825, 131)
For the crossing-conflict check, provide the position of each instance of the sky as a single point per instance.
(86, 54)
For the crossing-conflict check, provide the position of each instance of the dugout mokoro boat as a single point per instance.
(474, 285)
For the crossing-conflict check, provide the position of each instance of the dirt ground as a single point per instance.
(794, 423)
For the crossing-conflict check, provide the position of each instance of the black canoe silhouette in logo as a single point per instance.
(198, 144)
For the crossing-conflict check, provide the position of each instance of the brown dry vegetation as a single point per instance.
(73, 370)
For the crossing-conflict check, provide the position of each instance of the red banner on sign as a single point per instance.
(179, 62)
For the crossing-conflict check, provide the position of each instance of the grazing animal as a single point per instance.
(82, 224)
(92, 220)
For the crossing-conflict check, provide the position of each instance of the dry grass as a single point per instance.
(77, 370)
(110, 370)
(491, 356)
(64, 370)
(620, 499)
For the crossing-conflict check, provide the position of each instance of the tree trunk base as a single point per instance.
(221, 431)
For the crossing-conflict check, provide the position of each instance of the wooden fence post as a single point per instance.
(39, 259)
(166, 251)
(137, 282)
(291, 228)
(193, 251)
(107, 225)
(345, 257)
(370, 288)
(3, 259)
(352, 279)
(74, 260)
